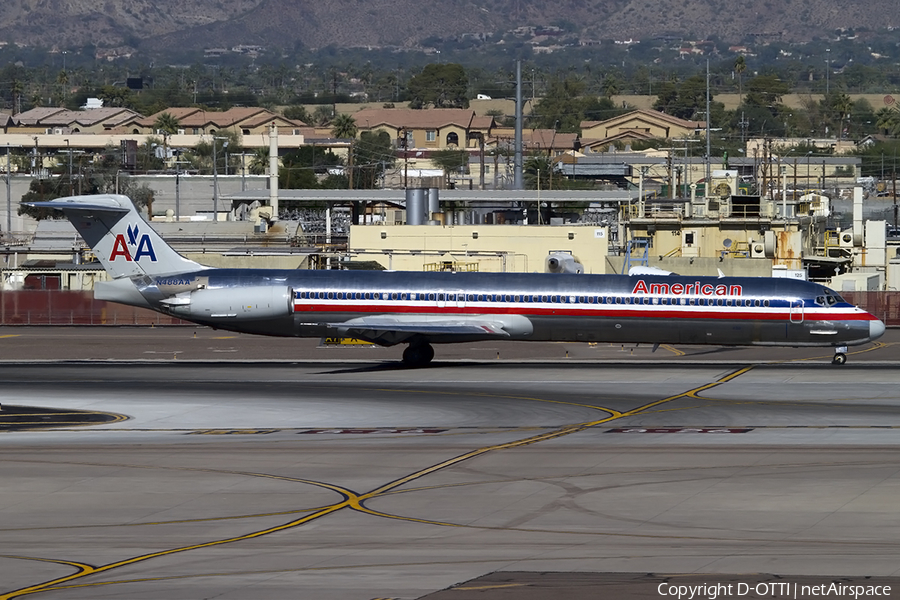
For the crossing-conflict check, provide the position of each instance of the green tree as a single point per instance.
(344, 127)
(439, 85)
(113, 96)
(766, 91)
(450, 160)
(537, 172)
(299, 167)
(322, 115)
(611, 86)
(167, 123)
(297, 112)
(740, 65)
(201, 156)
(259, 161)
(888, 120)
(17, 88)
(62, 79)
(42, 190)
(372, 154)
(564, 106)
(682, 101)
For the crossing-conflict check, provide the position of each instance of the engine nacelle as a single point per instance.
(256, 302)
(560, 262)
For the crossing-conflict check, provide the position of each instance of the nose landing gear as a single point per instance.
(840, 355)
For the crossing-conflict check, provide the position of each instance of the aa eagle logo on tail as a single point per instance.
(141, 244)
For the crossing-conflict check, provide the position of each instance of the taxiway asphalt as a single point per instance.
(336, 473)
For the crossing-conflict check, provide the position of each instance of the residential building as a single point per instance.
(62, 121)
(637, 125)
(247, 121)
(433, 129)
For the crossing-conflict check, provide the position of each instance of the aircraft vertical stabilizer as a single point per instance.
(122, 240)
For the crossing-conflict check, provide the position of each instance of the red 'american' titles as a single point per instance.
(684, 289)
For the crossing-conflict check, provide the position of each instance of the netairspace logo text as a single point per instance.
(773, 590)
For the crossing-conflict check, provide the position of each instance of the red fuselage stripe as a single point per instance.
(687, 312)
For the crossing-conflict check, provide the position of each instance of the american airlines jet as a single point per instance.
(421, 309)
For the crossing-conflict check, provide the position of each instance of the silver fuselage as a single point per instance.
(541, 307)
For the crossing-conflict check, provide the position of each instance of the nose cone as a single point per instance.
(876, 329)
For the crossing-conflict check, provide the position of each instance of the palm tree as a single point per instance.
(740, 65)
(610, 86)
(168, 124)
(259, 161)
(888, 120)
(344, 127)
(62, 79)
(17, 89)
(843, 104)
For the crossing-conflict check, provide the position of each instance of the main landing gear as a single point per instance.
(840, 355)
(417, 355)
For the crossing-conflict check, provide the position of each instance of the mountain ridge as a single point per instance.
(155, 25)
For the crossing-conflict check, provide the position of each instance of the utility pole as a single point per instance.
(893, 177)
(706, 185)
(517, 165)
(216, 177)
(9, 195)
(69, 152)
(669, 169)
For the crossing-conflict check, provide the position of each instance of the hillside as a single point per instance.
(197, 24)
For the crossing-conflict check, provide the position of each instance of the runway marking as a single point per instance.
(80, 566)
(673, 350)
(355, 501)
(12, 418)
(11, 335)
(678, 430)
(234, 432)
(491, 587)
(875, 346)
(155, 523)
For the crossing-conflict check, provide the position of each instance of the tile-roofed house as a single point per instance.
(637, 125)
(243, 120)
(436, 128)
(541, 141)
(6, 121)
(35, 115)
(62, 120)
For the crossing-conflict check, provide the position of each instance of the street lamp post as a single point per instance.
(827, 68)
(69, 152)
(216, 177)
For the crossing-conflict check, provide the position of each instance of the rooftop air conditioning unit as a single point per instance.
(757, 249)
(846, 238)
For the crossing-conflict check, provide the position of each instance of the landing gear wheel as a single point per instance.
(418, 355)
(839, 359)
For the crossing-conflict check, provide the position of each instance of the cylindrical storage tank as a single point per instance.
(415, 206)
(434, 202)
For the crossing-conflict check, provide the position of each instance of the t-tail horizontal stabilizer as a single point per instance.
(120, 238)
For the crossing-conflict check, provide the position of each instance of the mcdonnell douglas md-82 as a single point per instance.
(421, 309)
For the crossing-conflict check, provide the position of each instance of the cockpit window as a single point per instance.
(831, 298)
(820, 300)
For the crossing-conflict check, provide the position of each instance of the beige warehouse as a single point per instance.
(486, 248)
